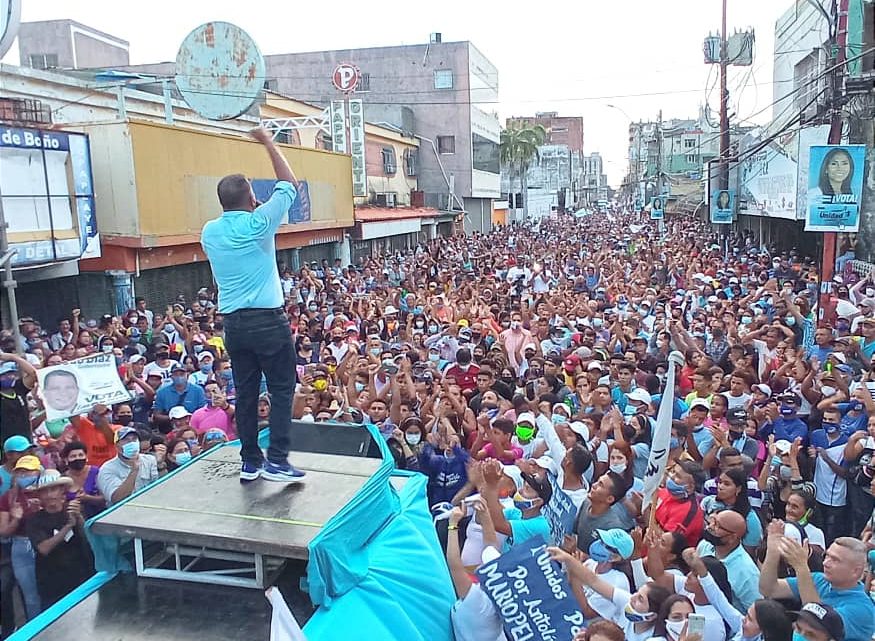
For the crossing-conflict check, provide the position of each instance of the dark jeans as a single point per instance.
(834, 521)
(259, 340)
(861, 503)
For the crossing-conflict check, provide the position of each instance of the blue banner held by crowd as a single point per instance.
(559, 512)
(835, 187)
(531, 594)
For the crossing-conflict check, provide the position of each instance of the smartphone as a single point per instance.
(696, 625)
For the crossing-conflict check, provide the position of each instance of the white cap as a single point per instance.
(700, 402)
(390, 309)
(178, 412)
(639, 394)
(136, 358)
(783, 446)
(527, 417)
(547, 463)
(595, 365)
(204, 355)
(580, 428)
(514, 473)
(763, 389)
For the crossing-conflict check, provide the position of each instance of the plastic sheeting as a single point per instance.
(396, 586)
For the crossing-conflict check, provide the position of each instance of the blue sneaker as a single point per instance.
(249, 472)
(281, 472)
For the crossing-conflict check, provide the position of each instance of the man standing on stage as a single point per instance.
(241, 249)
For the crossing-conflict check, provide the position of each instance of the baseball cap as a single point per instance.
(514, 473)
(595, 365)
(29, 463)
(617, 539)
(572, 362)
(204, 355)
(736, 415)
(176, 367)
(823, 617)
(7, 367)
(526, 417)
(136, 358)
(580, 428)
(547, 463)
(763, 389)
(530, 346)
(639, 394)
(16, 443)
(178, 412)
(783, 446)
(700, 402)
(124, 432)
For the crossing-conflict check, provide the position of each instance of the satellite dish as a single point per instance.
(10, 19)
(219, 70)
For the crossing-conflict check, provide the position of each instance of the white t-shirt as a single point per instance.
(153, 369)
(715, 629)
(736, 401)
(605, 607)
(475, 618)
(815, 536)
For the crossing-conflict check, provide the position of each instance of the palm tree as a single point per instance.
(518, 147)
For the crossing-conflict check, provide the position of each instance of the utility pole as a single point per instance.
(723, 180)
(838, 57)
(9, 283)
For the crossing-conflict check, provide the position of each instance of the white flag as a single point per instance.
(283, 625)
(660, 446)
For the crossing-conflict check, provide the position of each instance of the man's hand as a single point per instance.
(794, 553)
(262, 135)
(694, 561)
(492, 472)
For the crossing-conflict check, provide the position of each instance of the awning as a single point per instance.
(374, 214)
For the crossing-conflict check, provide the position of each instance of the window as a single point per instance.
(443, 79)
(410, 161)
(690, 143)
(692, 159)
(270, 84)
(389, 163)
(485, 154)
(446, 144)
(806, 81)
(44, 60)
(364, 83)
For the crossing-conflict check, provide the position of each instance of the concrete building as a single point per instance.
(594, 182)
(561, 130)
(67, 44)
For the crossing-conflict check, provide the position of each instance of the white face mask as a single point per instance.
(675, 629)
(618, 468)
(827, 390)
(413, 438)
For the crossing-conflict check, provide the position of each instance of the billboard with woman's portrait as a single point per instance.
(835, 187)
(722, 206)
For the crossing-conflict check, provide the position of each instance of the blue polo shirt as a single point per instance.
(854, 605)
(241, 248)
(191, 398)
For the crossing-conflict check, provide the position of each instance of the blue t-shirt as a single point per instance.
(191, 398)
(522, 530)
(854, 606)
(850, 423)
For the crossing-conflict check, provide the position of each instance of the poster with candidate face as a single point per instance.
(77, 386)
(657, 205)
(835, 187)
(722, 206)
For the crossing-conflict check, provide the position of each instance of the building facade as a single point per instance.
(594, 182)
(561, 130)
(67, 44)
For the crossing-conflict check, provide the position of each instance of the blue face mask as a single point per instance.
(790, 320)
(798, 637)
(674, 443)
(599, 552)
(359, 387)
(522, 504)
(558, 418)
(183, 457)
(417, 310)
(676, 489)
(179, 380)
(228, 375)
(787, 410)
(830, 428)
(130, 450)
(26, 481)
(857, 406)
(206, 368)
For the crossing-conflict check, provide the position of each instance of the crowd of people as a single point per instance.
(507, 367)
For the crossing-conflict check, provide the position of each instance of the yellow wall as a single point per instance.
(177, 171)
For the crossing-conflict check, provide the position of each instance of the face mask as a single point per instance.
(169, 329)
(509, 380)
(124, 419)
(419, 324)
(78, 465)
(787, 410)
(183, 457)
(206, 368)
(413, 438)
(830, 428)
(786, 472)
(827, 390)
(596, 322)
(638, 617)
(524, 432)
(320, 385)
(432, 329)
(797, 636)
(475, 337)
(312, 308)
(359, 387)
(162, 356)
(514, 325)
(179, 380)
(522, 504)
(228, 375)
(434, 358)
(675, 628)
(674, 443)
(374, 351)
(558, 418)
(857, 406)
(790, 320)
(599, 552)
(25, 482)
(676, 489)
(198, 349)
(618, 468)
(130, 450)
(746, 320)
(337, 340)
(712, 538)
(106, 349)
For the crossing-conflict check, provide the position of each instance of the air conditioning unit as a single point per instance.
(385, 199)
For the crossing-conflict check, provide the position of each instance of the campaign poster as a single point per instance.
(299, 212)
(835, 187)
(657, 208)
(722, 206)
(74, 388)
(559, 512)
(531, 593)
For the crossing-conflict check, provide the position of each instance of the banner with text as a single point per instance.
(559, 512)
(357, 147)
(531, 594)
(76, 387)
(835, 187)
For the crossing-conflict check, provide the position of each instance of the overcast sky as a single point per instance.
(571, 57)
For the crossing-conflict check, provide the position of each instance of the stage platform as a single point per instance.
(202, 524)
